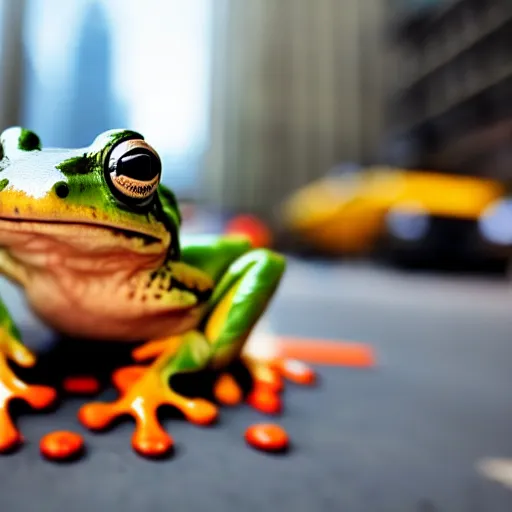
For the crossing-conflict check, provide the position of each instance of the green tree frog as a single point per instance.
(93, 238)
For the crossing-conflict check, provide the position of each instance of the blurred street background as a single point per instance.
(362, 128)
(369, 140)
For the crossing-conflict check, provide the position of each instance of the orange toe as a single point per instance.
(199, 411)
(96, 416)
(227, 391)
(296, 371)
(10, 437)
(153, 349)
(151, 440)
(264, 399)
(39, 397)
(124, 378)
(12, 388)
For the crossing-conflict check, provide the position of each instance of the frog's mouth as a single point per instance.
(87, 234)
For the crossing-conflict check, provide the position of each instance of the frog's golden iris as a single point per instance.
(135, 188)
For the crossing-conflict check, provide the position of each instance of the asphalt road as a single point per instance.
(408, 435)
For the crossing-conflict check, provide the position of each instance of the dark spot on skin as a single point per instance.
(75, 165)
(94, 215)
(62, 190)
(201, 295)
(131, 295)
(16, 211)
(3, 184)
(158, 296)
(28, 141)
(143, 298)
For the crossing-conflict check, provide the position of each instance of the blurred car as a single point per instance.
(406, 214)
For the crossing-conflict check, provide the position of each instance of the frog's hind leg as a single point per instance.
(11, 387)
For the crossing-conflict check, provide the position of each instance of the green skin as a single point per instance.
(96, 266)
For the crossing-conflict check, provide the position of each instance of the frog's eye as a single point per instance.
(133, 171)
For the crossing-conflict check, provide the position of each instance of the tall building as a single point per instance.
(93, 100)
(449, 102)
(296, 89)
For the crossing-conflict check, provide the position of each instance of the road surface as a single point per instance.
(426, 429)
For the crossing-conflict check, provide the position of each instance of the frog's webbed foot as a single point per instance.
(268, 379)
(143, 390)
(267, 383)
(12, 388)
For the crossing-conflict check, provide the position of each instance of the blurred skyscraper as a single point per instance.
(92, 65)
(93, 104)
(67, 94)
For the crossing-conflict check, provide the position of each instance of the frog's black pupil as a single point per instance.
(136, 166)
(62, 190)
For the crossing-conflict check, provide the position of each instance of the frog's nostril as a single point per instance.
(62, 190)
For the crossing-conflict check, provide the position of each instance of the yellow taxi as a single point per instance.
(405, 211)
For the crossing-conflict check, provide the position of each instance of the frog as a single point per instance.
(92, 236)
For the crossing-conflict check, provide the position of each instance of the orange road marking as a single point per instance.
(335, 353)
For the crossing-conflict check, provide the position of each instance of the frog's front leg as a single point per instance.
(237, 303)
(242, 297)
(11, 387)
